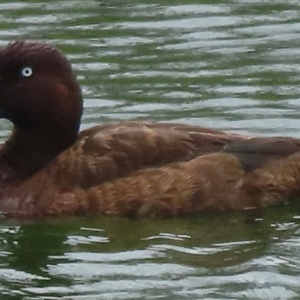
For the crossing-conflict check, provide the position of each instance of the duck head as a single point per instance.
(38, 88)
(39, 94)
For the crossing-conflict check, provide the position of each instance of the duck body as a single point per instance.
(47, 168)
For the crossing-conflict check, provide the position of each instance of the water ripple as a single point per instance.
(228, 65)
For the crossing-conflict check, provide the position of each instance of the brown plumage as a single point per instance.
(47, 168)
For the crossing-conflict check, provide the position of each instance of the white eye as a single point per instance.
(26, 72)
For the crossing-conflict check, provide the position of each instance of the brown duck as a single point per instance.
(47, 168)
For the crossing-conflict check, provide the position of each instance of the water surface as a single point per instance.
(231, 65)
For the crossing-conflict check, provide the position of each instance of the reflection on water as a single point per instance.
(244, 255)
(232, 65)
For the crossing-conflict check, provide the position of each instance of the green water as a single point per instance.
(231, 65)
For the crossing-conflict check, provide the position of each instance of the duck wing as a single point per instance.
(258, 152)
(103, 153)
(248, 174)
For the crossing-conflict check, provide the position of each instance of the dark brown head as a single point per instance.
(38, 90)
(40, 96)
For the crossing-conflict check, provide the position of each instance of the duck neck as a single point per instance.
(28, 151)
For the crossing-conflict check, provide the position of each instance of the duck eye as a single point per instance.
(26, 72)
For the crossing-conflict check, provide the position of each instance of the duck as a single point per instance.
(123, 169)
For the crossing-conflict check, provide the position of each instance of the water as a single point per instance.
(231, 65)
